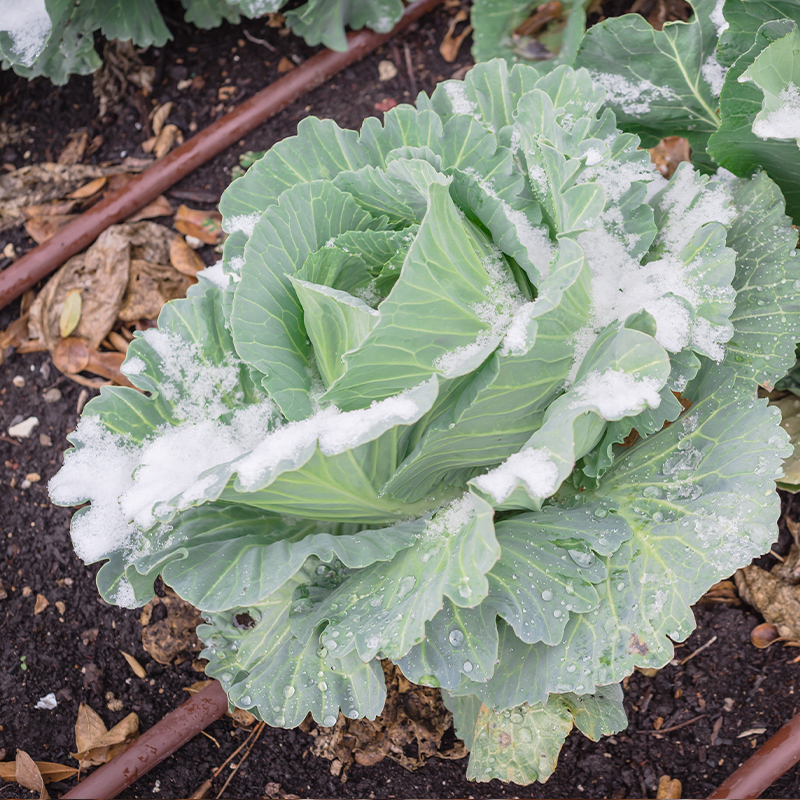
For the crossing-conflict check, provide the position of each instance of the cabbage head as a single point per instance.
(473, 390)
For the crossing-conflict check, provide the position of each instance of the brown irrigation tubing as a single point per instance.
(153, 746)
(765, 766)
(119, 205)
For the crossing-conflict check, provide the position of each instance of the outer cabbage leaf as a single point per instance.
(741, 20)
(682, 494)
(262, 667)
(521, 744)
(658, 82)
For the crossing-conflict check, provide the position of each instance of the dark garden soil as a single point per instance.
(730, 696)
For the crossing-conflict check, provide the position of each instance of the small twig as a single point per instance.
(248, 35)
(675, 727)
(410, 68)
(10, 441)
(258, 730)
(699, 649)
(210, 737)
(207, 784)
(780, 558)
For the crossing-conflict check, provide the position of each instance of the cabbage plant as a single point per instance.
(55, 38)
(473, 390)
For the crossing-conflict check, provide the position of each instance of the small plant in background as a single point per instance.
(55, 38)
(420, 410)
(728, 79)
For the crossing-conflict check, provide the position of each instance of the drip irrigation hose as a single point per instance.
(153, 746)
(165, 172)
(775, 757)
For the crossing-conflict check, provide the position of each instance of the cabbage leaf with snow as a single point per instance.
(55, 38)
(472, 389)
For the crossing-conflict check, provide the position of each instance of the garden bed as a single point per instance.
(701, 708)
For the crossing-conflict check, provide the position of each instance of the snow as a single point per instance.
(457, 94)
(633, 98)
(133, 366)
(713, 74)
(535, 240)
(718, 19)
(593, 156)
(784, 121)
(47, 703)
(452, 518)
(516, 338)
(241, 222)
(617, 394)
(28, 25)
(532, 467)
(335, 431)
(503, 298)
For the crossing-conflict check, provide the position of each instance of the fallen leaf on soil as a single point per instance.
(110, 281)
(140, 671)
(160, 207)
(723, 592)
(763, 635)
(95, 744)
(89, 189)
(74, 151)
(70, 313)
(171, 638)
(285, 65)
(72, 356)
(149, 287)
(226, 92)
(778, 602)
(118, 342)
(159, 116)
(184, 258)
(40, 183)
(170, 135)
(274, 791)
(15, 334)
(244, 719)
(668, 788)
(547, 12)
(413, 717)
(450, 44)
(668, 153)
(49, 209)
(205, 225)
(41, 604)
(789, 569)
(40, 229)
(27, 774)
(386, 104)
(48, 771)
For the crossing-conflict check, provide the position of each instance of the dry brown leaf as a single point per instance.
(95, 744)
(15, 333)
(74, 151)
(103, 276)
(413, 715)
(159, 116)
(160, 207)
(174, 636)
(668, 153)
(226, 92)
(40, 183)
(668, 788)
(149, 287)
(27, 774)
(183, 258)
(89, 728)
(70, 313)
(285, 65)
(40, 229)
(89, 189)
(149, 144)
(451, 44)
(204, 225)
(140, 671)
(118, 342)
(48, 209)
(778, 602)
(48, 770)
(170, 134)
(723, 592)
(72, 356)
(41, 604)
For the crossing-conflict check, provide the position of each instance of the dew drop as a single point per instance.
(245, 700)
(456, 638)
(467, 666)
(547, 595)
(329, 721)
